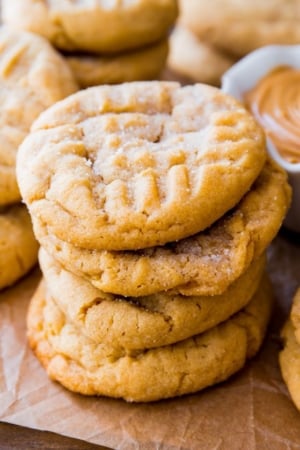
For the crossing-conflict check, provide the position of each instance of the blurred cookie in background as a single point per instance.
(106, 42)
(18, 246)
(103, 27)
(145, 63)
(239, 27)
(196, 59)
(33, 76)
(210, 37)
(289, 357)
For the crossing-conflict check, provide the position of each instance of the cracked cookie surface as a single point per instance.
(137, 165)
(188, 366)
(204, 264)
(144, 322)
(93, 25)
(33, 76)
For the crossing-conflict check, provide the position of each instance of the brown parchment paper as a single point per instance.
(250, 411)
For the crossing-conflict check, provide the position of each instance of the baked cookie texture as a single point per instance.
(144, 63)
(238, 27)
(295, 314)
(289, 356)
(32, 73)
(98, 26)
(195, 58)
(90, 368)
(18, 246)
(154, 205)
(289, 361)
(203, 264)
(140, 162)
(143, 322)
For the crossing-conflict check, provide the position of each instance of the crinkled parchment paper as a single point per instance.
(250, 411)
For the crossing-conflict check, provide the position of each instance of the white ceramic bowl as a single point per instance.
(243, 76)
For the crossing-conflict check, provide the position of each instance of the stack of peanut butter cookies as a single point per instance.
(103, 42)
(32, 77)
(154, 205)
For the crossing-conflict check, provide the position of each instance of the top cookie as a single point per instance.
(140, 164)
(93, 25)
(239, 27)
(33, 76)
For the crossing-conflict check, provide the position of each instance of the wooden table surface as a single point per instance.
(13, 437)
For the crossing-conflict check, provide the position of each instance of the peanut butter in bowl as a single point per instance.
(275, 102)
(267, 81)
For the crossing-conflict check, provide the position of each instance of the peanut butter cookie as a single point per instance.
(144, 322)
(18, 246)
(95, 26)
(295, 314)
(289, 360)
(196, 58)
(84, 366)
(33, 76)
(136, 165)
(145, 63)
(204, 264)
(239, 27)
